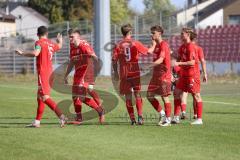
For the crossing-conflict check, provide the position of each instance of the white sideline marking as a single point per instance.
(223, 103)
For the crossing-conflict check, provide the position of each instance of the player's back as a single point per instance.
(44, 60)
(127, 52)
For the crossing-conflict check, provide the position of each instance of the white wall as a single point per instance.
(214, 19)
(7, 29)
(29, 22)
(184, 17)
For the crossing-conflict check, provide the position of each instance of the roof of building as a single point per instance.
(209, 10)
(34, 12)
(6, 17)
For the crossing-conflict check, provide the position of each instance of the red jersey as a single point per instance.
(187, 52)
(199, 56)
(44, 59)
(127, 53)
(84, 52)
(162, 70)
(200, 53)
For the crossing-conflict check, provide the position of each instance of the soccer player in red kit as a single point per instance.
(187, 81)
(200, 57)
(160, 83)
(80, 55)
(44, 50)
(126, 52)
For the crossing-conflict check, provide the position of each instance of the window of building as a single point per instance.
(234, 19)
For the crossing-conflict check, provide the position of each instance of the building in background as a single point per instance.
(28, 20)
(7, 24)
(205, 13)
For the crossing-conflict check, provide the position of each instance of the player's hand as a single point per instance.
(19, 52)
(59, 38)
(176, 63)
(205, 78)
(154, 43)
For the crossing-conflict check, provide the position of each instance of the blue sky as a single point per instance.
(138, 5)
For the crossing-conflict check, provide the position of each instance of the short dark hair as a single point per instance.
(76, 30)
(42, 30)
(157, 28)
(70, 31)
(189, 30)
(125, 29)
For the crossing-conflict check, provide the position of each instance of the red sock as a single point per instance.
(91, 103)
(77, 105)
(195, 107)
(199, 109)
(40, 109)
(130, 109)
(183, 107)
(95, 96)
(155, 104)
(51, 104)
(139, 106)
(177, 107)
(168, 109)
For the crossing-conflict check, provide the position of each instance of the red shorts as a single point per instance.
(126, 85)
(79, 90)
(89, 78)
(44, 84)
(189, 84)
(160, 86)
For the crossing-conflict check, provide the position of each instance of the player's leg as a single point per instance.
(136, 85)
(155, 103)
(177, 105)
(184, 105)
(77, 104)
(130, 109)
(126, 90)
(78, 109)
(168, 108)
(194, 108)
(91, 103)
(199, 106)
(139, 107)
(53, 106)
(93, 94)
(40, 110)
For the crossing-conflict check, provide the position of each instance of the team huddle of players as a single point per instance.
(126, 70)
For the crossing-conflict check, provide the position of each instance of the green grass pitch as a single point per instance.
(218, 138)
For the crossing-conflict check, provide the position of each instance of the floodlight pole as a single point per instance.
(102, 36)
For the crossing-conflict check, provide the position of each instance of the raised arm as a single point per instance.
(59, 40)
